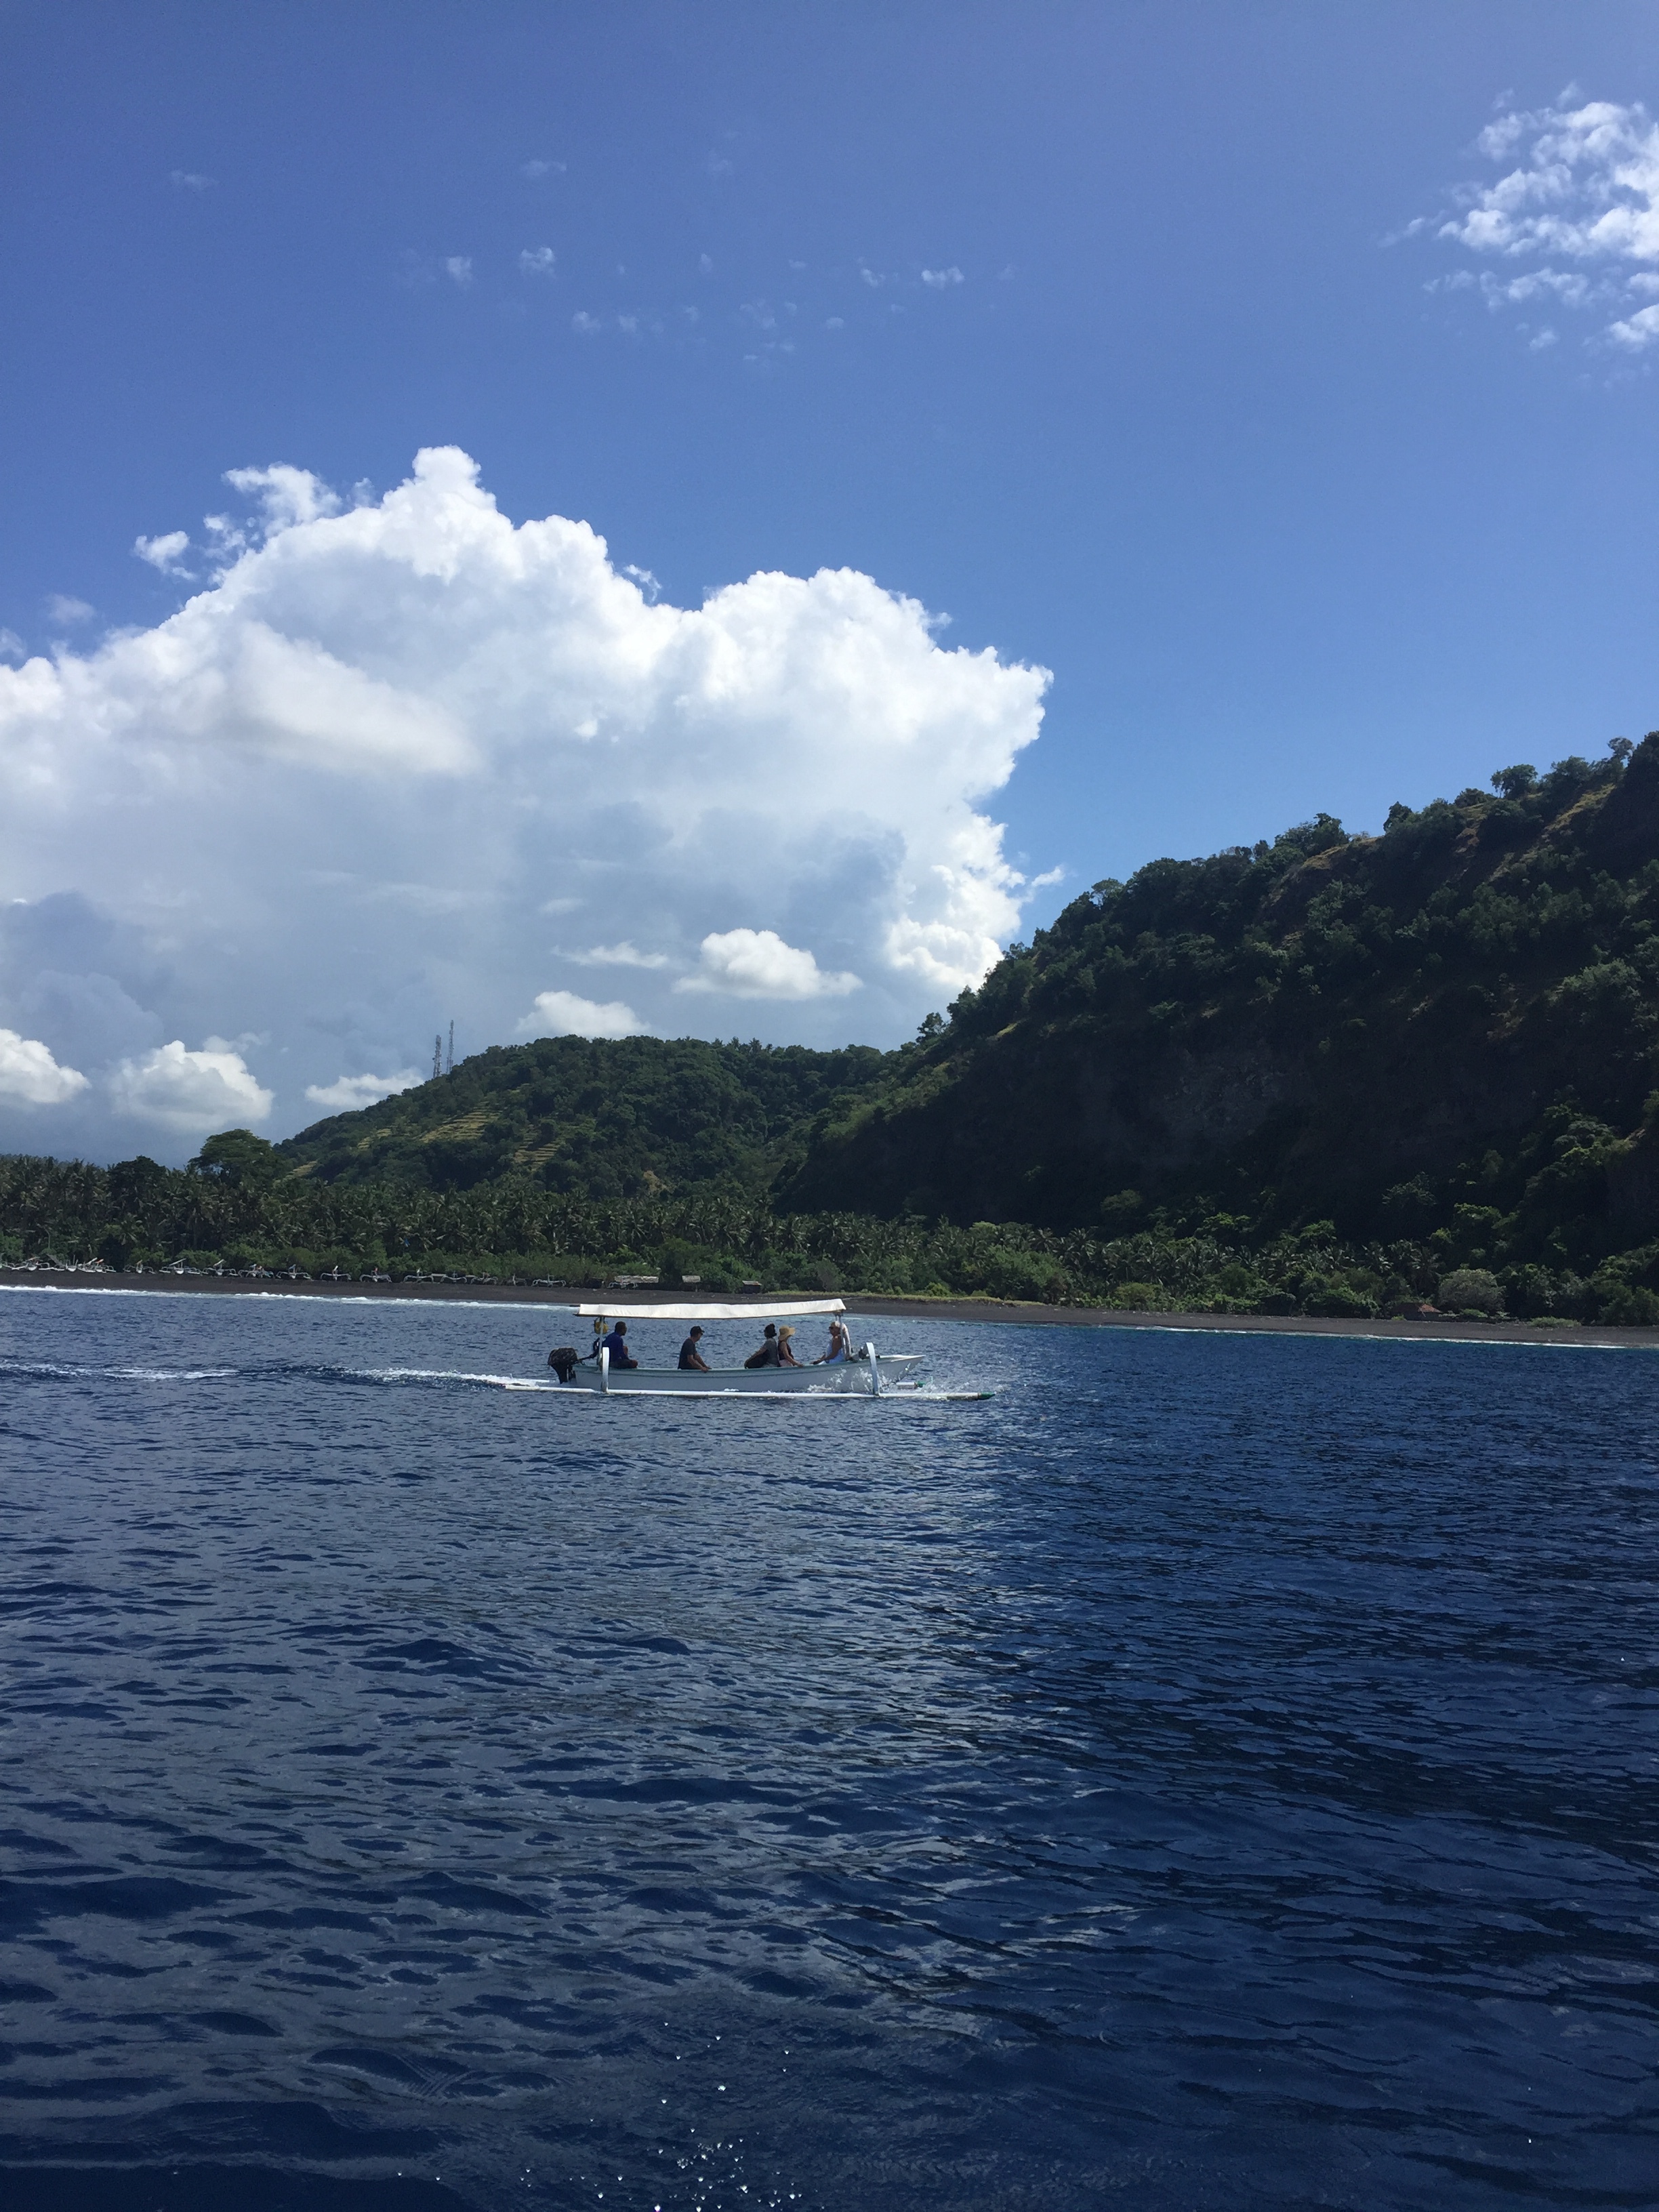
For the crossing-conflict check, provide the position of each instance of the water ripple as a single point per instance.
(1218, 1770)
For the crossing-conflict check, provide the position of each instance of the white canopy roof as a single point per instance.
(747, 1311)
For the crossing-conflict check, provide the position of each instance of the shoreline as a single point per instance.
(872, 1307)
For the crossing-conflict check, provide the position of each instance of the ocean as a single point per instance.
(1218, 1770)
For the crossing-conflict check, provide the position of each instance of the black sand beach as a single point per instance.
(858, 1306)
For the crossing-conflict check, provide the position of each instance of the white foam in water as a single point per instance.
(122, 1374)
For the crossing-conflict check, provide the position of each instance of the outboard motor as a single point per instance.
(564, 1359)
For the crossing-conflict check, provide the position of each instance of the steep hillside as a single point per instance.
(602, 1120)
(1456, 1019)
(1325, 1075)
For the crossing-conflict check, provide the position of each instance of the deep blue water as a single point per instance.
(1217, 1772)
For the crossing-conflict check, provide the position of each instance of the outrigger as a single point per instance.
(864, 1374)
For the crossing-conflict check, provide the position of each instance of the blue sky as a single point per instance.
(1102, 331)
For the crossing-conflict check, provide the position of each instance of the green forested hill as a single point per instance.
(1328, 1074)
(1451, 1027)
(602, 1120)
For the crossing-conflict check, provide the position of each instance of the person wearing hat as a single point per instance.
(785, 1357)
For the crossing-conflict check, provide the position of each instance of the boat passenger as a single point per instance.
(768, 1354)
(837, 1352)
(617, 1345)
(786, 1356)
(689, 1355)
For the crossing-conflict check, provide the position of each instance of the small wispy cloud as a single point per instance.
(166, 552)
(1636, 333)
(458, 267)
(190, 180)
(646, 583)
(533, 172)
(539, 261)
(940, 280)
(66, 612)
(349, 1092)
(12, 646)
(586, 326)
(624, 955)
(1578, 202)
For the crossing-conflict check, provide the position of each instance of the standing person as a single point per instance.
(837, 1352)
(768, 1354)
(690, 1355)
(617, 1345)
(785, 1357)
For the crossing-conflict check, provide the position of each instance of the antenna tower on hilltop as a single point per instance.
(437, 1056)
(449, 1068)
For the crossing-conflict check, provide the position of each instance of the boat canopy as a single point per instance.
(747, 1311)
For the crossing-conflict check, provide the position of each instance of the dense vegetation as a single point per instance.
(234, 1207)
(594, 1119)
(1444, 1037)
(1326, 1074)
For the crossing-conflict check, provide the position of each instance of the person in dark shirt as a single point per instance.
(689, 1355)
(617, 1345)
(768, 1354)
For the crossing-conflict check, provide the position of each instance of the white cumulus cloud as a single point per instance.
(539, 261)
(348, 1092)
(30, 1076)
(286, 496)
(191, 1092)
(165, 553)
(561, 1014)
(1578, 202)
(756, 963)
(940, 280)
(335, 796)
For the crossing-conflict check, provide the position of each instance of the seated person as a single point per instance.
(617, 1345)
(785, 1355)
(689, 1355)
(768, 1354)
(837, 1352)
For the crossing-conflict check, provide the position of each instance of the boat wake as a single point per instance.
(50, 1371)
(449, 1375)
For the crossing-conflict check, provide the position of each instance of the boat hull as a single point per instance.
(851, 1380)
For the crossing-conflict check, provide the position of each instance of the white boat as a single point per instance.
(866, 1374)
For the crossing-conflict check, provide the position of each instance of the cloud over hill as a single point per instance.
(342, 792)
